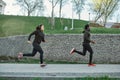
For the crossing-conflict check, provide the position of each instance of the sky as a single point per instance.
(14, 9)
(11, 8)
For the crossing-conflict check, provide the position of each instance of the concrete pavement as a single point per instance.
(59, 70)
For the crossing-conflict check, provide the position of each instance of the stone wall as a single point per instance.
(57, 47)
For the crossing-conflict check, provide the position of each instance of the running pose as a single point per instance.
(39, 37)
(86, 45)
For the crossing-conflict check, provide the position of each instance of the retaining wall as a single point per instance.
(58, 46)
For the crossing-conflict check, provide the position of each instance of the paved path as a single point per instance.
(59, 70)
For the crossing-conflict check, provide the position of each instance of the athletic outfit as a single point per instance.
(86, 46)
(39, 37)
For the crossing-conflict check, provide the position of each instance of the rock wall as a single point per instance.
(58, 46)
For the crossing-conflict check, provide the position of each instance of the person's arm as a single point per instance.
(41, 34)
(92, 41)
(31, 35)
(43, 38)
(87, 37)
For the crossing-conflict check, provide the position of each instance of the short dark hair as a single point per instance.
(86, 26)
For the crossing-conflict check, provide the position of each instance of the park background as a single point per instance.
(64, 23)
(63, 29)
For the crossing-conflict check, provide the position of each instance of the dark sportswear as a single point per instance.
(86, 46)
(39, 37)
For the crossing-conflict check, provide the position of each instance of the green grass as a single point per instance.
(85, 78)
(9, 59)
(105, 30)
(92, 78)
(20, 25)
(28, 60)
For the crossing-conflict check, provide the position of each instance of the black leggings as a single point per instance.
(36, 48)
(86, 47)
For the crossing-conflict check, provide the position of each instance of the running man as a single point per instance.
(86, 45)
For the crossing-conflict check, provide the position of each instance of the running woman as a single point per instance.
(86, 45)
(39, 37)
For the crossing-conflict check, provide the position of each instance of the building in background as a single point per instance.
(2, 6)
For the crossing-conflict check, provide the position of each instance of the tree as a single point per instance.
(96, 7)
(104, 9)
(30, 5)
(62, 3)
(54, 3)
(78, 6)
(40, 10)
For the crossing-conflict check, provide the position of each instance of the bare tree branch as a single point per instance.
(54, 3)
(30, 6)
(78, 6)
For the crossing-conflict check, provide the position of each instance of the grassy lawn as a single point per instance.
(105, 30)
(20, 25)
(31, 60)
(85, 78)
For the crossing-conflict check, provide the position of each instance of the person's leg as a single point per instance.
(39, 49)
(89, 49)
(84, 49)
(33, 53)
(81, 53)
(20, 54)
(41, 55)
(91, 54)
